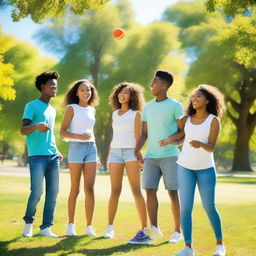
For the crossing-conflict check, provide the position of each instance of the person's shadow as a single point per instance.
(66, 247)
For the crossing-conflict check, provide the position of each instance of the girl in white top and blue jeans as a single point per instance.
(127, 102)
(196, 164)
(77, 126)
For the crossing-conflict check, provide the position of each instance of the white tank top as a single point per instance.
(196, 158)
(82, 122)
(123, 129)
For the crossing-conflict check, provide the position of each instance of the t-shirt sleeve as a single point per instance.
(28, 112)
(179, 111)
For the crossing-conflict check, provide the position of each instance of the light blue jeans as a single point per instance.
(206, 181)
(43, 167)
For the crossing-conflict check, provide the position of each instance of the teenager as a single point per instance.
(127, 102)
(77, 127)
(160, 128)
(196, 163)
(43, 156)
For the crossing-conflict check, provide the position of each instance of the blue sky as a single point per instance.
(146, 11)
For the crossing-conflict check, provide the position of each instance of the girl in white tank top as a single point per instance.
(196, 164)
(77, 127)
(127, 101)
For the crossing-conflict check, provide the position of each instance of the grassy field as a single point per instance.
(235, 198)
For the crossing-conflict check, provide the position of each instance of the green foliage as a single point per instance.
(230, 7)
(6, 70)
(27, 64)
(51, 9)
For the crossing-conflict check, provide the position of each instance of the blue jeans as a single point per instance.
(206, 181)
(43, 167)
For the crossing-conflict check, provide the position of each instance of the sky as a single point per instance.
(147, 11)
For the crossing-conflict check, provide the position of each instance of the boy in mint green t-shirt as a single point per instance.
(38, 126)
(160, 130)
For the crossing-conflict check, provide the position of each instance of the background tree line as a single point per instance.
(196, 45)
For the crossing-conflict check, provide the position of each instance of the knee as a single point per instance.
(36, 195)
(173, 195)
(74, 191)
(151, 193)
(89, 190)
(210, 208)
(116, 192)
(136, 193)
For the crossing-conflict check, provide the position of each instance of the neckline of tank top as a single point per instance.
(123, 113)
(200, 123)
(81, 106)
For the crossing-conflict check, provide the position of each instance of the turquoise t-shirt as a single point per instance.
(39, 143)
(161, 122)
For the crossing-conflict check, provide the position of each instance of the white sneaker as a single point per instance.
(47, 232)
(175, 237)
(220, 250)
(90, 231)
(110, 233)
(28, 230)
(71, 230)
(153, 232)
(187, 251)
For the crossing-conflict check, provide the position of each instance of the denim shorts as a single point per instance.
(121, 155)
(82, 152)
(154, 168)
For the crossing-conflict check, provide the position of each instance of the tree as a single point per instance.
(27, 63)
(6, 70)
(224, 55)
(230, 7)
(91, 52)
(51, 9)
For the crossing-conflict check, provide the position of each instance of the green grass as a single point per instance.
(239, 223)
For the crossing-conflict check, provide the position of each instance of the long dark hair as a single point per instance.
(216, 105)
(137, 96)
(72, 98)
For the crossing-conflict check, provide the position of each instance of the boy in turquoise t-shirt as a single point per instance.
(38, 125)
(160, 129)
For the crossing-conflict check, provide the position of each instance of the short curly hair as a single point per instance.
(72, 98)
(137, 96)
(216, 105)
(44, 77)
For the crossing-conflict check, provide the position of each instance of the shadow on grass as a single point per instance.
(64, 247)
(237, 180)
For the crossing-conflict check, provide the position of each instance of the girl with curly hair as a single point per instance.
(77, 127)
(196, 164)
(127, 102)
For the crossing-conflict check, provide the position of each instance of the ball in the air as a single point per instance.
(118, 33)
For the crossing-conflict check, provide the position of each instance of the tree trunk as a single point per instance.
(241, 161)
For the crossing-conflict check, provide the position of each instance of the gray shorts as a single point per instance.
(154, 168)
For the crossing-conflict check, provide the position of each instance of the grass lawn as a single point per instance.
(236, 199)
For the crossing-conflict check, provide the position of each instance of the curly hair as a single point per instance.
(216, 105)
(137, 96)
(44, 77)
(72, 98)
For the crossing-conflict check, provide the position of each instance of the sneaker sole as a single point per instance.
(131, 242)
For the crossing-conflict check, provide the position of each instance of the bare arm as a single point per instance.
(178, 136)
(214, 132)
(27, 128)
(138, 126)
(142, 139)
(69, 113)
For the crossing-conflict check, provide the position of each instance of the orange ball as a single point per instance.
(118, 33)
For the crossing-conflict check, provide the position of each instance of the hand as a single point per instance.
(139, 156)
(195, 143)
(141, 166)
(42, 127)
(60, 156)
(165, 142)
(84, 136)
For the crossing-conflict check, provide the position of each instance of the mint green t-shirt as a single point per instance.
(161, 122)
(39, 143)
